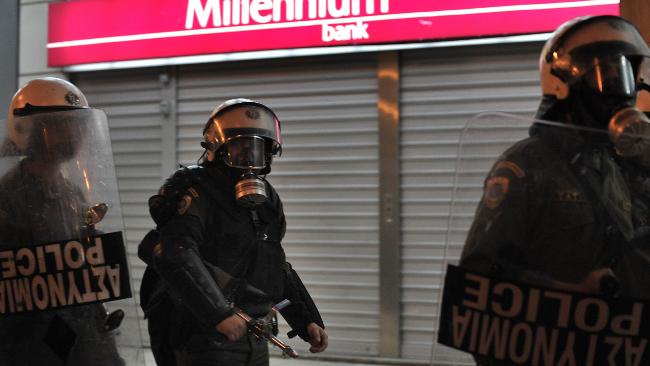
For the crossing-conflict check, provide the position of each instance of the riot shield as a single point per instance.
(65, 293)
(551, 224)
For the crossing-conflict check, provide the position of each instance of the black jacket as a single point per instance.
(202, 233)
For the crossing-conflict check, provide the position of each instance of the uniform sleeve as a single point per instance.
(302, 311)
(498, 235)
(177, 260)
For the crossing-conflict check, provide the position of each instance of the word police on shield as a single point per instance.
(525, 325)
(63, 274)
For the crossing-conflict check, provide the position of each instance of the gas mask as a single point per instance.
(629, 128)
(629, 131)
(245, 135)
(606, 88)
(248, 155)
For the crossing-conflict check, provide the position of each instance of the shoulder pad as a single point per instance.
(181, 180)
(164, 205)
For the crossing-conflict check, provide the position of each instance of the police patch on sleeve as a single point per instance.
(496, 189)
(184, 204)
(514, 168)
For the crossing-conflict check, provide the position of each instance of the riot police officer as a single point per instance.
(222, 218)
(49, 120)
(557, 209)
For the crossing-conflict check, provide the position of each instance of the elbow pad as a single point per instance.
(190, 282)
(147, 246)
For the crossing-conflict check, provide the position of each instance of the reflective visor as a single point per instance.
(240, 121)
(613, 77)
(246, 153)
(608, 67)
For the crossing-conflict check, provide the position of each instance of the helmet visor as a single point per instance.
(246, 153)
(599, 59)
(240, 121)
(54, 137)
(611, 77)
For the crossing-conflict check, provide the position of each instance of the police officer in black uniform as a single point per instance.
(218, 249)
(558, 209)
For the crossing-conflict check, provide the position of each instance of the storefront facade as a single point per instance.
(370, 131)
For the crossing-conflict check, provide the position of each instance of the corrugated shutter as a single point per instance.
(327, 176)
(441, 90)
(131, 100)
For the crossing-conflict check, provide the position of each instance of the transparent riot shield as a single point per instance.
(548, 244)
(65, 290)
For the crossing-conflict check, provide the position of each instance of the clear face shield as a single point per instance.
(629, 127)
(614, 81)
(602, 77)
(612, 77)
(610, 86)
(248, 153)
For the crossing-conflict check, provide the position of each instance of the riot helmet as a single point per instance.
(588, 70)
(244, 135)
(34, 125)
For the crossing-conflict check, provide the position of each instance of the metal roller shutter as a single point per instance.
(441, 90)
(327, 176)
(131, 100)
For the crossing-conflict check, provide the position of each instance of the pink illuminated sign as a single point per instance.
(89, 31)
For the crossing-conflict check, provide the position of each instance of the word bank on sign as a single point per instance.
(345, 32)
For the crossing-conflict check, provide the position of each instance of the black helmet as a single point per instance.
(600, 54)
